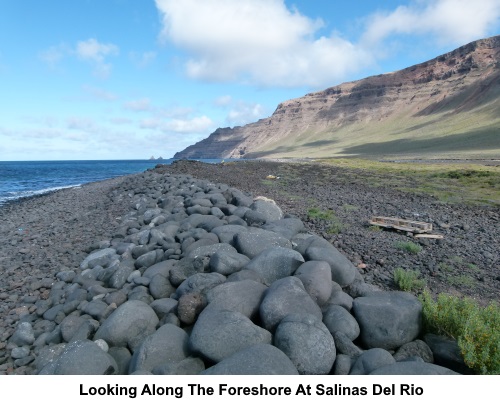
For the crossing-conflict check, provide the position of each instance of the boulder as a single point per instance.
(262, 359)
(82, 357)
(275, 263)
(307, 343)
(218, 334)
(128, 325)
(284, 297)
(388, 319)
(169, 344)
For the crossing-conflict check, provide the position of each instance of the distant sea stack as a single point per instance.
(448, 104)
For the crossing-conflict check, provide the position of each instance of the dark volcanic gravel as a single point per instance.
(43, 236)
(466, 262)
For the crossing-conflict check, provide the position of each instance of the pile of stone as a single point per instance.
(202, 278)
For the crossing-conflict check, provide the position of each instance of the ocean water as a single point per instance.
(26, 179)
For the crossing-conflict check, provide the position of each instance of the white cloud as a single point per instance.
(95, 52)
(449, 21)
(90, 51)
(142, 104)
(256, 41)
(240, 112)
(263, 42)
(195, 125)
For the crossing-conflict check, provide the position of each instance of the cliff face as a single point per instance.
(441, 102)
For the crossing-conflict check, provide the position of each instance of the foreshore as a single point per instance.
(46, 235)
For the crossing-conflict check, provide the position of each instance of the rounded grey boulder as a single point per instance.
(285, 297)
(259, 359)
(218, 334)
(388, 319)
(82, 357)
(338, 319)
(169, 344)
(307, 343)
(128, 325)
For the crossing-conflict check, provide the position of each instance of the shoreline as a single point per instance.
(64, 226)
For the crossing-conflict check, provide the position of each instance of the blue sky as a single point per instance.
(127, 79)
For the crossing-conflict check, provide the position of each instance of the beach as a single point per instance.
(45, 238)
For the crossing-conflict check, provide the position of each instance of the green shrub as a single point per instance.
(410, 247)
(476, 328)
(328, 216)
(408, 280)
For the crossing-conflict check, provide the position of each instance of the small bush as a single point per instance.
(328, 216)
(408, 280)
(476, 329)
(445, 267)
(410, 247)
(375, 228)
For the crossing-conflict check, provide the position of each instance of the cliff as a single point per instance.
(449, 104)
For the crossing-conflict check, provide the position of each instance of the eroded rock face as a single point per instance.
(393, 97)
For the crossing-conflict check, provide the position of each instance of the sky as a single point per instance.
(130, 79)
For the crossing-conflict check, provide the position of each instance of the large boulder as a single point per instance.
(218, 334)
(241, 296)
(388, 319)
(128, 325)
(256, 240)
(82, 357)
(343, 271)
(284, 297)
(339, 319)
(317, 279)
(259, 359)
(275, 263)
(307, 342)
(169, 344)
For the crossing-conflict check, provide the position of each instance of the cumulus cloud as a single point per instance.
(449, 21)
(263, 42)
(196, 125)
(91, 51)
(256, 41)
(95, 53)
(240, 112)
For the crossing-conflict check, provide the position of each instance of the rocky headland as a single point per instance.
(445, 106)
(167, 272)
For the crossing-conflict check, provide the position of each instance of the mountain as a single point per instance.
(448, 106)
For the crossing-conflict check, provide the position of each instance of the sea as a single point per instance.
(26, 179)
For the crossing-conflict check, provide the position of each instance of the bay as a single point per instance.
(19, 179)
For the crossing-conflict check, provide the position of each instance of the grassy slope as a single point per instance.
(452, 183)
(475, 133)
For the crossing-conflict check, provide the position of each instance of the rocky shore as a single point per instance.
(168, 273)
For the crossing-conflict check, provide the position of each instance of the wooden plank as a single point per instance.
(428, 235)
(401, 224)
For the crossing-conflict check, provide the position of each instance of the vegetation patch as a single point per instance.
(461, 281)
(476, 328)
(408, 280)
(332, 223)
(450, 182)
(445, 267)
(409, 247)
